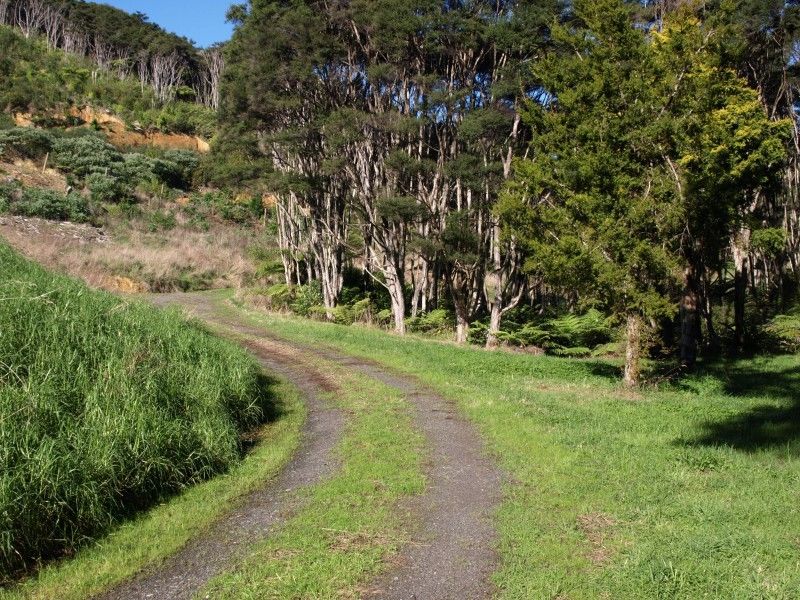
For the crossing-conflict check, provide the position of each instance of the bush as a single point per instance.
(186, 117)
(105, 188)
(363, 310)
(25, 142)
(435, 321)
(307, 297)
(105, 406)
(8, 193)
(176, 168)
(47, 204)
(785, 330)
(137, 168)
(280, 296)
(82, 156)
(162, 221)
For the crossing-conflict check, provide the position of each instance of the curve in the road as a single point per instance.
(452, 551)
(259, 512)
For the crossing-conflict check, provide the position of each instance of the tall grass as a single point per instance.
(105, 406)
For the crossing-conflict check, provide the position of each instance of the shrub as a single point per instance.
(785, 329)
(385, 318)
(105, 188)
(435, 321)
(8, 193)
(307, 297)
(162, 221)
(25, 142)
(363, 310)
(280, 296)
(578, 352)
(105, 406)
(176, 168)
(137, 168)
(587, 330)
(82, 156)
(186, 117)
(47, 204)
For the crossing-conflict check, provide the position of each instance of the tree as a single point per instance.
(727, 152)
(593, 202)
(641, 158)
(366, 101)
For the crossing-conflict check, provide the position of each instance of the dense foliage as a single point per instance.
(638, 158)
(105, 406)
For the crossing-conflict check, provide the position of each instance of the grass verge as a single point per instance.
(686, 491)
(163, 530)
(106, 407)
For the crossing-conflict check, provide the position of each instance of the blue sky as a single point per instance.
(200, 20)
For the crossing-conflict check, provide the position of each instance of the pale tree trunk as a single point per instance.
(394, 284)
(493, 289)
(503, 288)
(495, 318)
(462, 326)
(633, 350)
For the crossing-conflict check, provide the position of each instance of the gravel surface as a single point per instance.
(260, 512)
(451, 554)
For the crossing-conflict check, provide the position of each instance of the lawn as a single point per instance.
(688, 490)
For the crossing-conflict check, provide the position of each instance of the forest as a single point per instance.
(503, 160)
(124, 44)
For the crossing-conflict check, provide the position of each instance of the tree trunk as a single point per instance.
(398, 311)
(492, 341)
(394, 284)
(689, 320)
(462, 328)
(633, 350)
(739, 291)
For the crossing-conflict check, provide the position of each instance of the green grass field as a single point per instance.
(685, 491)
(106, 406)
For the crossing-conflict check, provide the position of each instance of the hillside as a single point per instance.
(79, 143)
(47, 87)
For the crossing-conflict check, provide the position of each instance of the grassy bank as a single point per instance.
(161, 531)
(105, 407)
(687, 491)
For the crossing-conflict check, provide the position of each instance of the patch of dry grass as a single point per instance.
(130, 260)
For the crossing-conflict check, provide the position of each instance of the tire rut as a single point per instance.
(451, 554)
(260, 512)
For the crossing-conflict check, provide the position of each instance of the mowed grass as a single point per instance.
(691, 490)
(106, 406)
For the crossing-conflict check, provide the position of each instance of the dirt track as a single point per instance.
(451, 553)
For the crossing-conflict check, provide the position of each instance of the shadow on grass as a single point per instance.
(773, 425)
(605, 370)
(272, 408)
